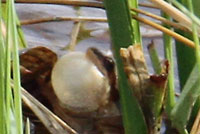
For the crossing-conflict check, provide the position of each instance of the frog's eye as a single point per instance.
(78, 83)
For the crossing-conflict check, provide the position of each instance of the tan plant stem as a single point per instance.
(173, 12)
(99, 5)
(165, 30)
(196, 125)
(52, 122)
(75, 19)
(62, 2)
(74, 35)
(54, 19)
(175, 25)
(75, 3)
(148, 5)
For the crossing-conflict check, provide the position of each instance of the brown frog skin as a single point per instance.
(36, 68)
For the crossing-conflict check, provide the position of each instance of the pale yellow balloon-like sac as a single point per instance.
(78, 84)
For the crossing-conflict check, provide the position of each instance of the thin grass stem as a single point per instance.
(177, 36)
(154, 58)
(192, 16)
(75, 3)
(165, 21)
(135, 23)
(74, 36)
(8, 70)
(168, 49)
(173, 12)
(2, 76)
(22, 41)
(27, 128)
(54, 19)
(195, 34)
(196, 126)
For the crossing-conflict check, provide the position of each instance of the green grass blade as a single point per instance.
(185, 57)
(181, 112)
(185, 60)
(135, 24)
(196, 4)
(12, 120)
(8, 71)
(158, 92)
(121, 33)
(154, 58)
(196, 40)
(12, 47)
(168, 49)
(195, 35)
(2, 76)
(22, 41)
(13, 37)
